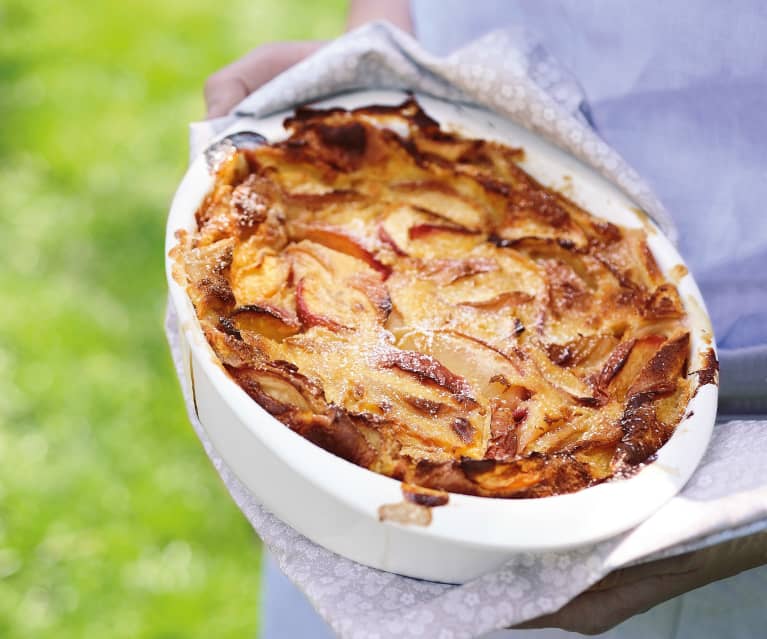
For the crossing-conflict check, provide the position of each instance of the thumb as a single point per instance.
(223, 92)
(232, 84)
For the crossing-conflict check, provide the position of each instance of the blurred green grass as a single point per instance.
(112, 522)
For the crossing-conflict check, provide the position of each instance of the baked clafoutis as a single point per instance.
(413, 301)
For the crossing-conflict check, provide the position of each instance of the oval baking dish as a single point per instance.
(338, 504)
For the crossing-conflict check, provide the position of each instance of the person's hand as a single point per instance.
(228, 86)
(630, 591)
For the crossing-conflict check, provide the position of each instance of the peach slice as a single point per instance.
(510, 299)
(420, 231)
(441, 199)
(475, 361)
(560, 378)
(206, 271)
(630, 260)
(447, 271)
(335, 290)
(375, 290)
(257, 273)
(487, 278)
(664, 303)
(324, 202)
(273, 390)
(340, 240)
(425, 367)
(306, 300)
(394, 228)
(626, 363)
(429, 241)
(506, 416)
(270, 321)
(661, 372)
(615, 362)
(584, 351)
(388, 240)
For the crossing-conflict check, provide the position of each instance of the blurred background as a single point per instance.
(112, 522)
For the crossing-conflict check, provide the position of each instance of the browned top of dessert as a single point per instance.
(413, 301)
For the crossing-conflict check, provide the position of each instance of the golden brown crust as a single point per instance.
(419, 305)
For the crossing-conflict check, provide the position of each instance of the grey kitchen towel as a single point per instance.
(727, 497)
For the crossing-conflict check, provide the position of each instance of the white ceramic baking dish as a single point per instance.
(335, 503)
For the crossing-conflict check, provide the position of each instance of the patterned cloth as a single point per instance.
(509, 73)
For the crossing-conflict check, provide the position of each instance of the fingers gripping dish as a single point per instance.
(413, 301)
